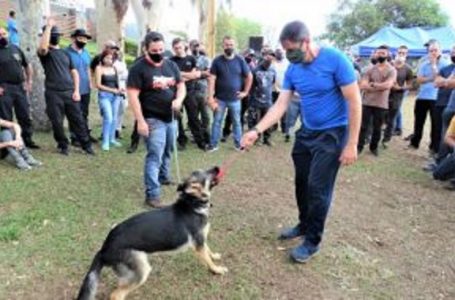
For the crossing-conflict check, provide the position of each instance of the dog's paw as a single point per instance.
(215, 256)
(220, 270)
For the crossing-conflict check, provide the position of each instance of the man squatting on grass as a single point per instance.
(331, 113)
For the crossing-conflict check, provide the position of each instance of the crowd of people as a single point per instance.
(342, 107)
(384, 84)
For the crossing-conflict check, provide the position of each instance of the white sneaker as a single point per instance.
(211, 149)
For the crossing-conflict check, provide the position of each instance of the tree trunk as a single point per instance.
(109, 24)
(148, 15)
(30, 21)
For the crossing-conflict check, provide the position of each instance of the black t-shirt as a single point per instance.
(186, 64)
(12, 62)
(396, 96)
(157, 87)
(57, 66)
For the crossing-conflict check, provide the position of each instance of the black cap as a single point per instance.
(430, 41)
(194, 43)
(54, 30)
(81, 32)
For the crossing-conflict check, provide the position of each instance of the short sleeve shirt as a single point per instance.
(376, 75)
(428, 91)
(57, 66)
(186, 64)
(157, 86)
(444, 93)
(81, 61)
(230, 76)
(12, 64)
(322, 104)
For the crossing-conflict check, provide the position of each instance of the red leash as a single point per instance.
(226, 165)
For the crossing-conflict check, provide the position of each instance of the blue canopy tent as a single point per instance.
(414, 38)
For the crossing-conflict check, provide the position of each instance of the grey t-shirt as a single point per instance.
(202, 64)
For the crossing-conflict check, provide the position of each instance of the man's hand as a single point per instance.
(248, 139)
(2, 91)
(241, 95)
(349, 155)
(50, 22)
(17, 144)
(76, 96)
(176, 106)
(440, 82)
(213, 103)
(143, 128)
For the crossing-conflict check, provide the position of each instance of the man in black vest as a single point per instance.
(14, 86)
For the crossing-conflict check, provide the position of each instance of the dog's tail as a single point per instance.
(90, 283)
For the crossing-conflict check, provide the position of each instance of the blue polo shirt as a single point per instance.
(428, 91)
(81, 61)
(322, 104)
(230, 76)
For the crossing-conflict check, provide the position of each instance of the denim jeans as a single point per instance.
(292, 115)
(445, 169)
(316, 162)
(109, 106)
(159, 145)
(235, 107)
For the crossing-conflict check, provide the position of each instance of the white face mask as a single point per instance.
(400, 59)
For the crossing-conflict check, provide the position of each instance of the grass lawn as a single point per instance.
(390, 234)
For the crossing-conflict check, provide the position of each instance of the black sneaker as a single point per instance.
(375, 152)
(132, 148)
(89, 151)
(63, 151)
(76, 143)
(167, 182)
(223, 139)
(93, 140)
(409, 137)
(31, 145)
(268, 143)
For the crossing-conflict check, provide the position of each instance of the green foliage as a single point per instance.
(354, 21)
(238, 28)
(130, 47)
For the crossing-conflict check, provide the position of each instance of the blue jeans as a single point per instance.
(235, 108)
(292, 114)
(109, 106)
(316, 162)
(158, 158)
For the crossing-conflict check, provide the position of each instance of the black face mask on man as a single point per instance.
(373, 61)
(295, 56)
(80, 44)
(228, 51)
(382, 59)
(156, 57)
(54, 40)
(453, 58)
(195, 52)
(3, 42)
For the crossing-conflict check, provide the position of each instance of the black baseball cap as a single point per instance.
(430, 41)
(54, 31)
(81, 32)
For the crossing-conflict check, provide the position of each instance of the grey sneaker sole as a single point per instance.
(302, 261)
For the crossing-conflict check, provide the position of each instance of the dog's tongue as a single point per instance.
(221, 174)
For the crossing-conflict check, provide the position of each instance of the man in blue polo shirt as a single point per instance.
(427, 95)
(229, 82)
(81, 61)
(331, 112)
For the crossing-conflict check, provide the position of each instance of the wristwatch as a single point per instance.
(256, 129)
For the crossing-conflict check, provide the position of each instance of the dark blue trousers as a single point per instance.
(316, 161)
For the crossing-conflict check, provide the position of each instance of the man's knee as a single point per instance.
(6, 135)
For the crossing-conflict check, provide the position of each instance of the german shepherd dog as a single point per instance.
(177, 227)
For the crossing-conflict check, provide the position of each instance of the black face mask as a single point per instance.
(228, 51)
(453, 58)
(80, 45)
(195, 52)
(382, 59)
(248, 59)
(266, 64)
(202, 52)
(295, 56)
(156, 57)
(279, 56)
(373, 61)
(54, 40)
(3, 42)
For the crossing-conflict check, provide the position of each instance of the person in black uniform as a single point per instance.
(62, 90)
(187, 65)
(14, 87)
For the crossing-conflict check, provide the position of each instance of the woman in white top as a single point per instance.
(122, 72)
